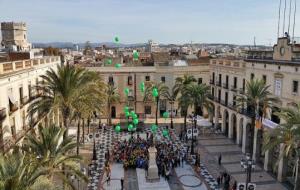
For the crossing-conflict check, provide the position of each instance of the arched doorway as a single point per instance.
(218, 116)
(234, 127)
(241, 130)
(113, 112)
(199, 111)
(226, 122)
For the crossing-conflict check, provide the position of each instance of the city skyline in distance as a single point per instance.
(168, 22)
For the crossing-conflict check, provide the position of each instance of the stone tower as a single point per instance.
(14, 36)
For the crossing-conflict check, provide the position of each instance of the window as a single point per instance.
(278, 87)
(199, 80)
(129, 80)
(219, 96)
(264, 78)
(226, 98)
(252, 76)
(147, 78)
(29, 90)
(213, 92)
(295, 86)
(235, 82)
(163, 79)
(227, 79)
(111, 80)
(220, 78)
(147, 109)
(21, 95)
(213, 77)
(244, 84)
(234, 101)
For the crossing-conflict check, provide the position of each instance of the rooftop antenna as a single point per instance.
(279, 14)
(294, 21)
(284, 18)
(254, 42)
(290, 11)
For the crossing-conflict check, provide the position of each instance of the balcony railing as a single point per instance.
(233, 88)
(24, 101)
(225, 85)
(232, 106)
(217, 99)
(224, 103)
(242, 91)
(211, 97)
(2, 113)
(13, 107)
(247, 112)
(212, 82)
(11, 141)
(219, 83)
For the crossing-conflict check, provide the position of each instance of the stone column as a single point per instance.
(255, 141)
(281, 165)
(268, 160)
(152, 169)
(230, 127)
(238, 131)
(244, 140)
(216, 115)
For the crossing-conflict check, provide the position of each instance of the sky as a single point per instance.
(137, 21)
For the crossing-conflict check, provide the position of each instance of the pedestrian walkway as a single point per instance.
(211, 146)
(189, 179)
(161, 184)
(117, 172)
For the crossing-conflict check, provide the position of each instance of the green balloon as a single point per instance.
(166, 115)
(142, 87)
(154, 128)
(116, 39)
(118, 128)
(118, 65)
(126, 109)
(109, 61)
(136, 55)
(127, 114)
(155, 92)
(126, 90)
(135, 121)
(165, 133)
(130, 127)
(132, 113)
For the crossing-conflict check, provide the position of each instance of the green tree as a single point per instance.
(113, 97)
(62, 89)
(19, 171)
(171, 97)
(287, 134)
(162, 90)
(183, 103)
(258, 100)
(55, 153)
(198, 95)
(183, 82)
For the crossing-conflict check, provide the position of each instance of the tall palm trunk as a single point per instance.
(251, 140)
(78, 136)
(185, 116)
(156, 111)
(1, 137)
(83, 132)
(297, 176)
(88, 124)
(109, 115)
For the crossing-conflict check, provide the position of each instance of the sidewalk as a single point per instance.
(211, 146)
(117, 172)
(188, 178)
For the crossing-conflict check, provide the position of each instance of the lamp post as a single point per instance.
(194, 120)
(248, 164)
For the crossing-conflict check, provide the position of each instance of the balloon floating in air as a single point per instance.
(116, 39)
(130, 127)
(166, 115)
(136, 55)
(118, 65)
(154, 128)
(118, 128)
(165, 133)
(155, 92)
(126, 90)
(142, 87)
(108, 61)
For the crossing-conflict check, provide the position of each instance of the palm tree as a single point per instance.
(61, 89)
(198, 95)
(19, 172)
(258, 100)
(112, 98)
(287, 134)
(172, 98)
(183, 103)
(182, 82)
(54, 152)
(162, 90)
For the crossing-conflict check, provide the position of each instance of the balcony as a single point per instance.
(212, 82)
(216, 99)
(2, 113)
(242, 91)
(233, 88)
(211, 97)
(219, 84)
(13, 107)
(232, 106)
(224, 103)
(225, 85)
(23, 101)
(247, 112)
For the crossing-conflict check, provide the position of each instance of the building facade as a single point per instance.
(17, 81)
(228, 79)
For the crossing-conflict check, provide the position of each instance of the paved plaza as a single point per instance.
(211, 146)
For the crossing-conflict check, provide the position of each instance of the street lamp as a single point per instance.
(194, 122)
(248, 164)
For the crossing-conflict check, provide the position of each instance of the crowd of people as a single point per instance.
(133, 153)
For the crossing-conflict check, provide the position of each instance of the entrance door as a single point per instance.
(113, 112)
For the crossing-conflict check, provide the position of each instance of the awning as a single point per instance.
(11, 97)
(268, 123)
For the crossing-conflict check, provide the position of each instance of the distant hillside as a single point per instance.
(70, 45)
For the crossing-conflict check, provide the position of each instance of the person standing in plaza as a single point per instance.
(220, 159)
(122, 183)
